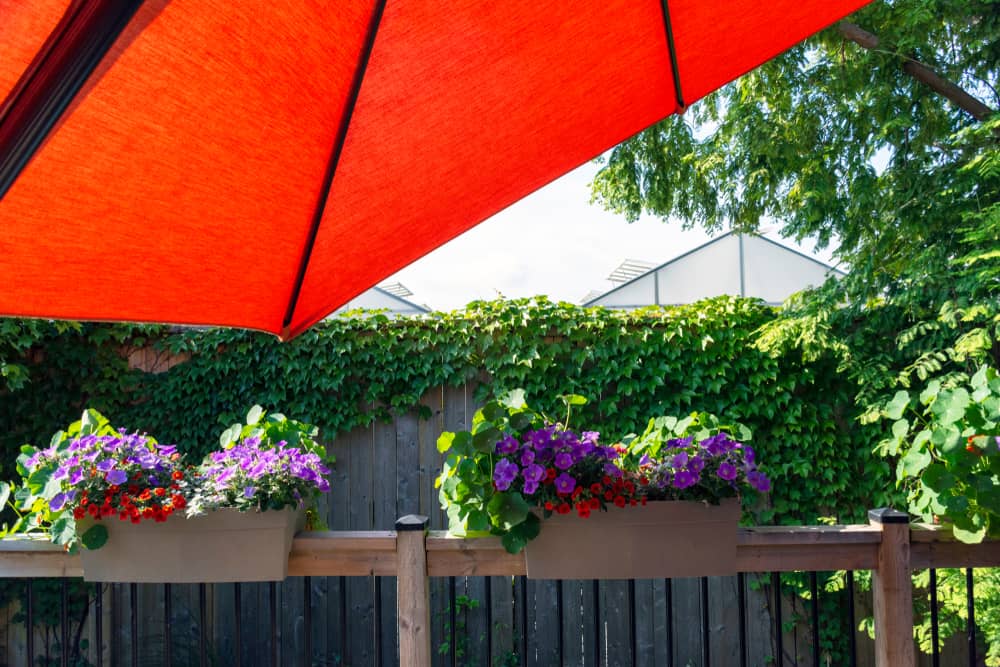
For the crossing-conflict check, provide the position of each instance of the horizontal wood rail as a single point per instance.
(364, 553)
(888, 546)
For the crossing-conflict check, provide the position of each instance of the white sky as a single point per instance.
(553, 242)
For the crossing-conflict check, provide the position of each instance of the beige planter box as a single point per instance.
(662, 539)
(224, 545)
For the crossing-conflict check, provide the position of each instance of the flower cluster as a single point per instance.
(251, 474)
(91, 472)
(712, 465)
(128, 476)
(560, 470)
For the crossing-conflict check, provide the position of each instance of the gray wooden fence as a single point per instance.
(387, 471)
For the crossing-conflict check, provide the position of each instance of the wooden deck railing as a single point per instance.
(888, 546)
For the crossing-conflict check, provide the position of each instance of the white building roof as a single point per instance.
(378, 298)
(736, 264)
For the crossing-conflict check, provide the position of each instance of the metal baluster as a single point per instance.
(852, 629)
(99, 622)
(668, 593)
(202, 625)
(970, 601)
(706, 653)
(741, 592)
(29, 622)
(935, 650)
(168, 657)
(238, 627)
(64, 623)
(779, 646)
(133, 597)
(814, 612)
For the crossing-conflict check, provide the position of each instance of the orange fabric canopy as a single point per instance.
(222, 154)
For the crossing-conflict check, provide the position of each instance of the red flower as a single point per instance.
(609, 495)
(550, 473)
(177, 474)
(548, 505)
(606, 481)
(145, 495)
(79, 512)
(644, 501)
(159, 491)
(620, 501)
(136, 519)
(595, 504)
(178, 501)
(633, 502)
(563, 508)
(595, 488)
(93, 510)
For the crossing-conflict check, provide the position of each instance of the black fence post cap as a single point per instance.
(411, 522)
(888, 515)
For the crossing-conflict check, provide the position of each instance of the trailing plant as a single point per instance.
(948, 441)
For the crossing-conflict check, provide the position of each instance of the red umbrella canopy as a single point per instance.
(259, 164)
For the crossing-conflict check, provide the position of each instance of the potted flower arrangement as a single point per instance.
(663, 503)
(142, 514)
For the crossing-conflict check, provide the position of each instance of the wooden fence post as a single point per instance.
(892, 591)
(413, 602)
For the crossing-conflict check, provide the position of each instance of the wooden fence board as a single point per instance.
(360, 621)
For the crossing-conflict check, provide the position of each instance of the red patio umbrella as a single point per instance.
(258, 164)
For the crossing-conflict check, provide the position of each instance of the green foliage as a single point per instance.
(948, 441)
(351, 371)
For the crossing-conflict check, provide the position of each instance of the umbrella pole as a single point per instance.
(412, 592)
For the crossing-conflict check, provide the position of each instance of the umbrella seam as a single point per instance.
(331, 170)
(672, 49)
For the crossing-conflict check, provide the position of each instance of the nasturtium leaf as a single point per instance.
(900, 428)
(95, 537)
(486, 439)
(493, 411)
(63, 529)
(519, 536)
(520, 421)
(509, 509)
(573, 399)
(4, 494)
(254, 415)
(478, 520)
(947, 438)
(897, 406)
(915, 461)
(445, 441)
(928, 395)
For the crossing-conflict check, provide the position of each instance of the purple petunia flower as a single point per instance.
(679, 460)
(117, 477)
(534, 473)
(106, 465)
(684, 479)
(564, 483)
(759, 481)
(249, 491)
(530, 487)
(563, 460)
(527, 457)
(57, 502)
(611, 470)
(727, 471)
(696, 464)
(504, 474)
(507, 445)
(75, 475)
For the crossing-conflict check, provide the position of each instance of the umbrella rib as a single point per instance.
(331, 169)
(50, 83)
(672, 48)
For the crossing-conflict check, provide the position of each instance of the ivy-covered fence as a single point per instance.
(372, 376)
(353, 371)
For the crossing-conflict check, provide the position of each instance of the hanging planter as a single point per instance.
(222, 545)
(661, 539)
